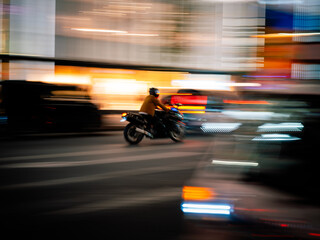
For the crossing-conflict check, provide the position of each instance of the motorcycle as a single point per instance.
(167, 124)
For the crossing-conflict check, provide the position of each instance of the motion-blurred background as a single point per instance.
(247, 75)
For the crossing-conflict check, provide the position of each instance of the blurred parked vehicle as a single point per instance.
(198, 106)
(262, 181)
(37, 106)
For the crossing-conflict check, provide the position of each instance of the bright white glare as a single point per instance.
(206, 211)
(230, 1)
(252, 115)
(219, 127)
(244, 84)
(141, 34)
(66, 79)
(98, 30)
(299, 34)
(205, 81)
(118, 32)
(275, 137)
(201, 84)
(280, 1)
(235, 163)
(289, 127)
(119, 86)
(206, 208)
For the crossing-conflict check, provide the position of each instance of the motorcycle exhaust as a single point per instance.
(144, 132)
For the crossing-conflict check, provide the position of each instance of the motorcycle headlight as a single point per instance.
(124, 117)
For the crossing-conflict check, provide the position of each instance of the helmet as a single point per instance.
(154, 91)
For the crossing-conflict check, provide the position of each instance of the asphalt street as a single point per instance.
(95, 186)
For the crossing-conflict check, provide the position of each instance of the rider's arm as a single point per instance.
(158, 103)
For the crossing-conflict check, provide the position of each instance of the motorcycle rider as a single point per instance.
(150, 103)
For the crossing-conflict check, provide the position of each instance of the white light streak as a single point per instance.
(141, 34)
(286, 127)
(219, 127)
(98, 30)
(219, 209)
(252, 115)
(206, 211)
(206, 81)
(235, 163)
(208, 206)
(275, 137)
(272, 2)
(118, 32)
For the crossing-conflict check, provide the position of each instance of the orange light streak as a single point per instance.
(196, 193)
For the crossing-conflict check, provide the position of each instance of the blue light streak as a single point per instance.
(219, 209)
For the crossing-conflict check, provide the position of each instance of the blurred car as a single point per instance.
(261, 181)
(38, 106)
(198, 106)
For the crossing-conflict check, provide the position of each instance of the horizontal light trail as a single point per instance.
(235, 163)
(98, 30)
(219, 127)
(219, 209)
(275, 137)
(192, 107)
(206, 211)
(289, 127)
(286, 35)
(207, 206)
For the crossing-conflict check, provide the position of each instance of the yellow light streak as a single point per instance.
(194, 112)
(192, 107)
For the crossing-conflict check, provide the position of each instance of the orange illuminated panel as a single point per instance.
(189, 100)
(245, 102)
(196, 193)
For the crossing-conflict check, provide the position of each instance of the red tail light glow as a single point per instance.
(189, 100)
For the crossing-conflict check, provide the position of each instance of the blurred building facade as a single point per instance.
(46, 40)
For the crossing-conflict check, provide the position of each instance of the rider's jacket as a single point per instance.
(149, 105)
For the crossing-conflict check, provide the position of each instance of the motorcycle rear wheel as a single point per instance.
(131, 135)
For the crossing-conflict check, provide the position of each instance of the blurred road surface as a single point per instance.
(95, 186)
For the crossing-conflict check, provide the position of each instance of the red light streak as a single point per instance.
(245, 102)
(189, 100)
(315, 234)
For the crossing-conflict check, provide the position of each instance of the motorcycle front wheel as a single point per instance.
(131, 135)
(177, 132)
